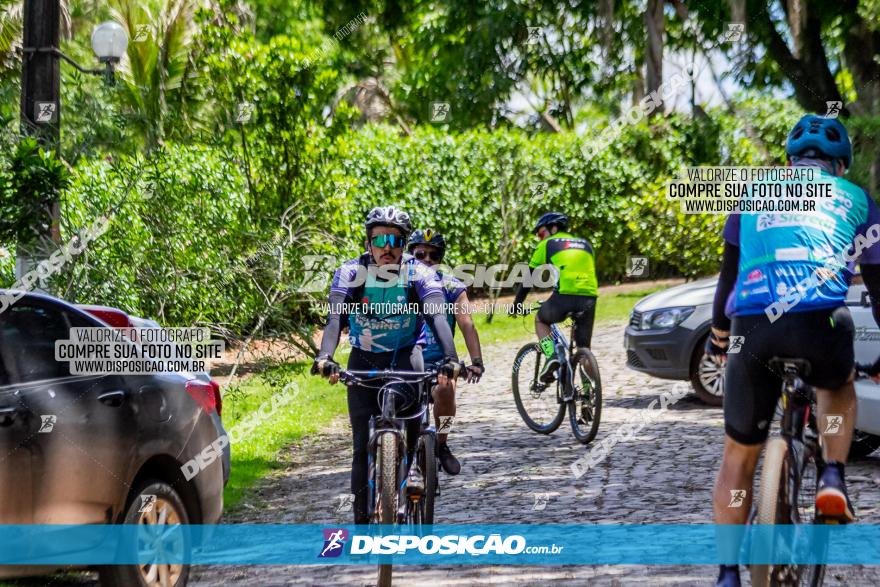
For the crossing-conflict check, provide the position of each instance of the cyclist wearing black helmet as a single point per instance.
(429, 247)
(386, 339)
(575, 291)
(767, 260)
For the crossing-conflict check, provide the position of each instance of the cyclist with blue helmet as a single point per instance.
(763, 296)
(429, 247)
(575, 291)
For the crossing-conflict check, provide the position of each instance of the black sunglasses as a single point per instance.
(434, 256)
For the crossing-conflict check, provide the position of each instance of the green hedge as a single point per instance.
(188, 245)
(485, 189)
(176, 220)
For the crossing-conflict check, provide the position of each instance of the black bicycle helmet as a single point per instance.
(828, 136)
(551, 218)
(427, 237)
(389, 216)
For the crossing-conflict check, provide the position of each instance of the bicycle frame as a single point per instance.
(389, 422)
(798, 428)
(565, 353)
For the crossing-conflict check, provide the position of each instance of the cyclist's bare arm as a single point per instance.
(330, 337)
(465, 322)
(434, 313)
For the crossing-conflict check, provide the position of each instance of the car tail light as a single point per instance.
(204, 394)
(218, 399)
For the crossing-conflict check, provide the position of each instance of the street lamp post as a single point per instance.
(41, 74)
(41, 86)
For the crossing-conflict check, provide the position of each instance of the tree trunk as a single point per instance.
(814, 84)
(654, 50)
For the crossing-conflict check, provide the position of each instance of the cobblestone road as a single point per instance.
(663, 475)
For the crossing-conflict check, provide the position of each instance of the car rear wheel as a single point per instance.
(707, 377)
(158, 507)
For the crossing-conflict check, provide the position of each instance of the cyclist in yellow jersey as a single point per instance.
(576, 287)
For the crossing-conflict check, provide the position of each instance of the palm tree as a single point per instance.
(160, 35)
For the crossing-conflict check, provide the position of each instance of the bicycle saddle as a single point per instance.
(785, 365)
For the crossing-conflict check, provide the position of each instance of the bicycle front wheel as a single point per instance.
(387, 467)
(537, 403)
(585, 409)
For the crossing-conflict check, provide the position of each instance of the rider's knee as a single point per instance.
(739, 455)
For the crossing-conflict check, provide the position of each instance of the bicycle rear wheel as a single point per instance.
(778, 505)
(585, 410)
(537, 403)
(387, 467)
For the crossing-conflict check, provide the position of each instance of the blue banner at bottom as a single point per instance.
(506, 544)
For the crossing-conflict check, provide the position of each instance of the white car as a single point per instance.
(668, 329)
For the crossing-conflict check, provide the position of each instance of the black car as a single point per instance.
(87, 449)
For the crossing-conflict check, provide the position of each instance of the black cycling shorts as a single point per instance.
(559, 306)
(752, 390)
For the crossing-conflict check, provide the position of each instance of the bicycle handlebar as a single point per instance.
(358, 376)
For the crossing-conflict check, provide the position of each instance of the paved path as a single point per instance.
(663, 475)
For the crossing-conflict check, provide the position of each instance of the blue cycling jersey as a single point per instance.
(393, 326)
(431, 351)
(807, 256)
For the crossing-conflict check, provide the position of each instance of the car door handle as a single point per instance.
(114, 399)
(7, 416)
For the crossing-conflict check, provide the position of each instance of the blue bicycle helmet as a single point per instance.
(551, 218)
(826, 135)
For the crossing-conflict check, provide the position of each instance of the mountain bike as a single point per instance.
(542, 405)
(403, 396)
(787, 493)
